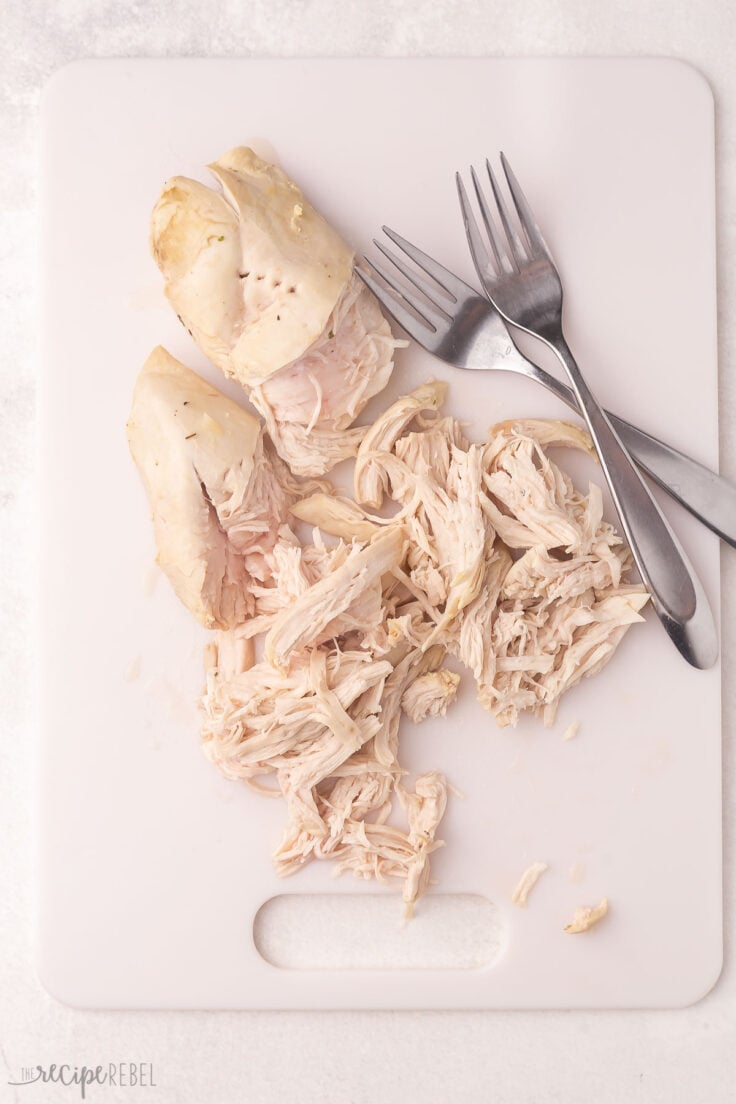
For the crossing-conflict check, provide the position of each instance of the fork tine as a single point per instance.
(483, 260)
(411, 275)
(515, 243)
(391, 302)
(430, 311)
(395, 301)
(499, 252)
(448, 281)
(525, 213)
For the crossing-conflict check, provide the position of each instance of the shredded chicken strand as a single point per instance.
(585, 918)
(526, 883)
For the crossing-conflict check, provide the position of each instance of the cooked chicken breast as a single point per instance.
(266, 288)
(216, 500)
(491, 555)
(253, 271)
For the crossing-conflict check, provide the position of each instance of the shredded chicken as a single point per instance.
(571, 731)
(266, 288)
(309, 406)
(328, 729)
(585, 917)
(528, 628)
(356, 632)
(526, 883)
(491, 555)
(305, 619)
(370, 478)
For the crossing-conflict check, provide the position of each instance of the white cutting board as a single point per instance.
(151, 866)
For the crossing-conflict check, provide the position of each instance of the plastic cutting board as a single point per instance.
(151, 866)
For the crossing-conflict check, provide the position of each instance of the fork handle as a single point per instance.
(677, 595)
(704, 493)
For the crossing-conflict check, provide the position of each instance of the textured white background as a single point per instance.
(682, 1057)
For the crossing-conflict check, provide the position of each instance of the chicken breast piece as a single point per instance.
(254, 272)
(310, 405)
(266, 288)
(215, 497)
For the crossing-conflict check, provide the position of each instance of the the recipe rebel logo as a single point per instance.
(123, 1075)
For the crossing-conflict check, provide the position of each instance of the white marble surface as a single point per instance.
(684, 1056)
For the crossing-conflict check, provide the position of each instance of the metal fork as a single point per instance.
(468, 332)
(521, 279)
(451, 320)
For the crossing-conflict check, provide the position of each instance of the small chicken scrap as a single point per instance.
(266, 288)
(586, 917)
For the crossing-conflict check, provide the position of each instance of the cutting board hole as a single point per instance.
(331, 931)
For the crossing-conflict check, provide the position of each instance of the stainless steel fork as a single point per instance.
(451, 320)
(468, 332)
(521, 279)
